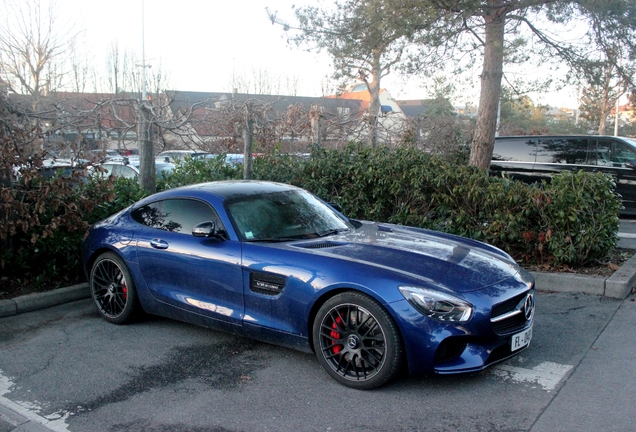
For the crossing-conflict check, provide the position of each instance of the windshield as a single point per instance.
(282, 216)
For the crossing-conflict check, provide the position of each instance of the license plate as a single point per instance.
(521, 339)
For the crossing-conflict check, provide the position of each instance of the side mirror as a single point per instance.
(206, 229)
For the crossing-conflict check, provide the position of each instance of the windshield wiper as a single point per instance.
(275, 239)
(332, 232)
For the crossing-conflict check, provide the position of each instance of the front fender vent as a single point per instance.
(267, 283)
(319, 245)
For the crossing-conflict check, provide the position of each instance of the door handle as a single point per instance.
(159, 244)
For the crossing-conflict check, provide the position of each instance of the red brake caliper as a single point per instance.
(124, 290)
(336, 348)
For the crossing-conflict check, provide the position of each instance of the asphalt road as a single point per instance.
(68, 368)
(627, 233)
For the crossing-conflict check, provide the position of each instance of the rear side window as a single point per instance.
(563, 151)
(612, 153)
(515, 150)
(176, 215)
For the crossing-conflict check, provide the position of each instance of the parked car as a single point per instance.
(535, 158)
(51, 168)
(273, 262)
(56, 167)
(129, 168)
(177, 155)
(128, 152)
(230, 158)
(103, 156)
(118, 169)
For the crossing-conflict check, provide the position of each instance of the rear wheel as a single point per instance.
(113, 290)
(357, 341)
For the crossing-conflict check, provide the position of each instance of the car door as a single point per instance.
(618, 159)
(514, 157)
(193, 274)
(557, 154)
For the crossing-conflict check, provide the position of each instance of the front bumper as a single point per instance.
(449, 348)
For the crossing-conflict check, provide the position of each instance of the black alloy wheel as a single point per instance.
(357, 341)
(113, 290)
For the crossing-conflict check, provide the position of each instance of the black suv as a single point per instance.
(536, 158)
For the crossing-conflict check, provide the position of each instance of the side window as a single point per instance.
(563, 151)
(515, 150)
(602, 151)
(623, 153)
(176, 215)
(106, 170)
(128, 172)
(612, 153)
(116, 170)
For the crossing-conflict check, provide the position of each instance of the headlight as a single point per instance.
(436, 305)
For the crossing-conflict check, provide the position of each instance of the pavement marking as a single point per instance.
(26, 409)
(547, 374)
(627, 235)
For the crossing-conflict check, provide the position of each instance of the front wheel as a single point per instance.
(357, 341)
(113, 290)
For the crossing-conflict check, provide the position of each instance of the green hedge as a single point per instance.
(571, 221)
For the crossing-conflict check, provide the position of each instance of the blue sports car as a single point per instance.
(275, 263)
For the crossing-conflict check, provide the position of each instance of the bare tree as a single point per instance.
(261, 81)
(81, 70)
(32, 44)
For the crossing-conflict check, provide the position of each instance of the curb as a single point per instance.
(619, 285)
(12, 421)
(36, 301)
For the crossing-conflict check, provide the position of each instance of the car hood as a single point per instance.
(449, 262)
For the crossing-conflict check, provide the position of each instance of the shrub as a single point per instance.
(45, 221)
(571, 221)
(579, 217)
(200, 170)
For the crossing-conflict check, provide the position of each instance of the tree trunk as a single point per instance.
(374, 91)
(147, 176)
(602, 124)
(484, 138)
(316, 124)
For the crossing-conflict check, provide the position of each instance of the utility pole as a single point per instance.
(617, 116)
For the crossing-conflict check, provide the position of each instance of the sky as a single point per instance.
(205, 45)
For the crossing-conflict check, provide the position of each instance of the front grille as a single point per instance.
(450, 349)
(509, 325)
(514, 322)
(507, 306)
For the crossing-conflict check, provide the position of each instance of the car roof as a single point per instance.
(560, 136)
(228, 189)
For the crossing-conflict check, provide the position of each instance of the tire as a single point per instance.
(113, 289)
(357, 341)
